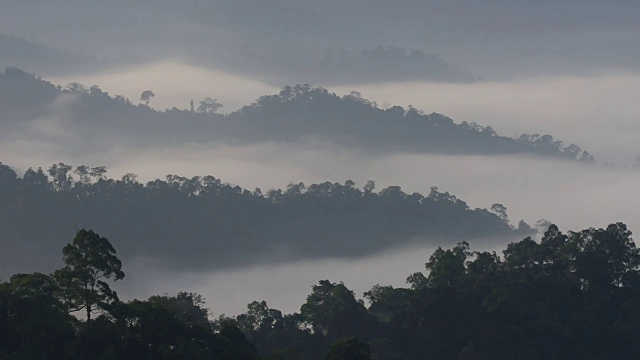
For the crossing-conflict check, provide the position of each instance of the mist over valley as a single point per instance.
(278, 179)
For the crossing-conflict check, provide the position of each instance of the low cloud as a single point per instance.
(284, 286)
(530, 187)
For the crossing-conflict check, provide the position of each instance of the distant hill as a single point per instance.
(295, 114)
(357, 122)
(203, 222)
(15, 50)
(372, 65)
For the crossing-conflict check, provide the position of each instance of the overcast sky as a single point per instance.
(284, 40)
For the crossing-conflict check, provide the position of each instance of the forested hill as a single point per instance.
(206, 223)
(295, 114)
(352, 120)
(569, 296)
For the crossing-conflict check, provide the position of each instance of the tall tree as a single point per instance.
(447, 267)
(61, 179)
(209, 106)
(90, 261)
(333, 310)
(146, 96)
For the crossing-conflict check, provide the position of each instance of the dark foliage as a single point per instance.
(572, 295)
(204, 222)
(35, 321)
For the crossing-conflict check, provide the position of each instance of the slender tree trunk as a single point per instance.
(87, 304)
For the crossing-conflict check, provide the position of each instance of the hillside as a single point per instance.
(297, 113)
(205, 223)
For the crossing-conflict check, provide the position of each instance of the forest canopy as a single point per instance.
(297, 113)
(573, 295)
(206, 223)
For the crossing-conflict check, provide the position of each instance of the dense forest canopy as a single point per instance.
(36, 319)
(573, 295)
(205, 223)
(297, 113)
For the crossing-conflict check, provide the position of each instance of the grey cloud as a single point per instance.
(283, 41)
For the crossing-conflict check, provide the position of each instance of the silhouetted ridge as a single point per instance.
(206, 223)
(573, 295)
(354, 121)
(295, 114)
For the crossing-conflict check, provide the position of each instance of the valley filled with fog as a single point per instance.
(573, 196)
(570, 194)
(246, 150)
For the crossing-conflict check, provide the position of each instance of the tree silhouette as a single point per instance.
(209, 106)
(90, 260)
(146, 96)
